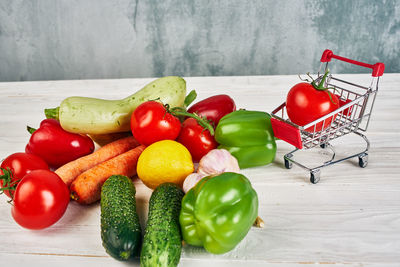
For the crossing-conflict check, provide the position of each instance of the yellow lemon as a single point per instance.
(164, 161)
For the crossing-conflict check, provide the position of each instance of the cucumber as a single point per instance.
(162, 242)
(99, 116)
(120, 227)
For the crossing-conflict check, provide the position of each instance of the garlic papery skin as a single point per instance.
(218, 161)
(191, 180)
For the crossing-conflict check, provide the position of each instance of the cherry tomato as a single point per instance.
(214, 108)
(305, 104)
(196, 139)
(151, 122)
(16, 166)
(40, 200)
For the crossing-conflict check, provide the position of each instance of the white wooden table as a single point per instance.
(350, 218)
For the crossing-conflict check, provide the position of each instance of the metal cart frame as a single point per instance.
(352, 116)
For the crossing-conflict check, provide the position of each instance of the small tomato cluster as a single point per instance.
(152, 121)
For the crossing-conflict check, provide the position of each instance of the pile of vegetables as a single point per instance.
(213, 206)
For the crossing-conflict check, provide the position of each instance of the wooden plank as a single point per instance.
(350, 218)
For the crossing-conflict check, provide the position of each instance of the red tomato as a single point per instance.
(16, 166)
(196, 139)
(305, 104)
(214, 107)
(347, 111)
(151, 122)
(40, 200)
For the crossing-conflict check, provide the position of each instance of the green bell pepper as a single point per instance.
(248, 136)
(218, 212)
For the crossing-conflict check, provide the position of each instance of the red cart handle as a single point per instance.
(377, 68)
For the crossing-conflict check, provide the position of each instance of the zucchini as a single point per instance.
(162, 242)
(99, 116)
(120, 228)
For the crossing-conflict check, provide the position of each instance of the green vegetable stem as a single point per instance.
(321, 85)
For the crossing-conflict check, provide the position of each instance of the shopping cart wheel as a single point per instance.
(314, 176)
(363, 160)
(288, 163)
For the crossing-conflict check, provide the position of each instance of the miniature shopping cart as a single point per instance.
(352, 116)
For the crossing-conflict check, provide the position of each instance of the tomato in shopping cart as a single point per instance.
(307, 102)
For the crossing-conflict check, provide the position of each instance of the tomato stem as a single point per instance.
(178, 111)
(8, 183)
(321, 87)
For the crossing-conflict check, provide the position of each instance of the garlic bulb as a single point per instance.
(191, 180)
(215, 162)
(218, 161)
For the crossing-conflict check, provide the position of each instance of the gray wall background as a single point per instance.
(86, 39)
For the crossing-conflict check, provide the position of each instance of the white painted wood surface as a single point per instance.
(350, 218)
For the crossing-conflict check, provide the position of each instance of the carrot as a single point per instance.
(71, 170)
(86, 188)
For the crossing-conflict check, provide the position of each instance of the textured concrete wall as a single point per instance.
(80, 39)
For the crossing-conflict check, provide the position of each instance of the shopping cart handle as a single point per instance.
(377, 68)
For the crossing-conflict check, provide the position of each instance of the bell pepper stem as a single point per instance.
(52, 113)
(259, 223)
(8, 183)
(30, 129)
(190, 98)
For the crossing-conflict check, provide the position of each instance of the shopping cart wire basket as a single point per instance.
(353, 116)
